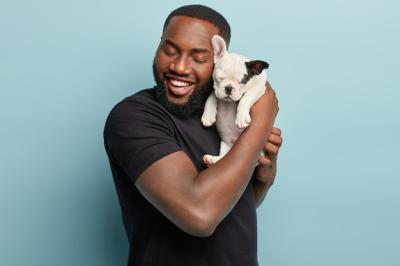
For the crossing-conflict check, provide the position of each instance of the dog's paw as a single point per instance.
(243, 119)
(208, 119)
(210, 160)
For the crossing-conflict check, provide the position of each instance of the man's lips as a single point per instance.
(175, 77)
(179, 86)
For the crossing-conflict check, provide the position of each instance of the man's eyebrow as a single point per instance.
(194, 50)
(200, 50)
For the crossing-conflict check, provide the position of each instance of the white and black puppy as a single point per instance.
(238, 83)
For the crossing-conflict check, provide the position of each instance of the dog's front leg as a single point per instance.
(243, 118)
(210, 110)
(210, 159)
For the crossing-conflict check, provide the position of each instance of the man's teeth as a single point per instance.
(179, 83)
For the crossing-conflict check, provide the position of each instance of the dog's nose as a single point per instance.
(228, 89)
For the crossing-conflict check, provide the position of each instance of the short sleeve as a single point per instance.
(136, 135)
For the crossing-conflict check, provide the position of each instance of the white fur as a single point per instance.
(230, 112)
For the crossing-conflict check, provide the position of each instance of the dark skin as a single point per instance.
(266, 170)
(198, 201)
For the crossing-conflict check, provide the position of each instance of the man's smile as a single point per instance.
(178, 86)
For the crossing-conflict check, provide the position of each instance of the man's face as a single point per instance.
(184, 63)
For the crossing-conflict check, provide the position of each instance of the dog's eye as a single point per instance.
(244, 79)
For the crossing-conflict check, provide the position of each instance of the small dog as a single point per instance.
(238, 84)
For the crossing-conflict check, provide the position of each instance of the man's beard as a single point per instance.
(194, 104)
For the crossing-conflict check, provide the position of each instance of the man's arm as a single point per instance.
(265, 172)
(198, 202)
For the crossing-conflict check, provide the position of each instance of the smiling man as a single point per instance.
(184, 87)
(175, 210)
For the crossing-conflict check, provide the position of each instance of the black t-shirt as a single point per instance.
(138, 132)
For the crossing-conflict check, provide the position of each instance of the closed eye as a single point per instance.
(245, 79)
(199, 59)
(219, 79)
(169, 48)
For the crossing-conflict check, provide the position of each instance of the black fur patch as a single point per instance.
(253, 68)
(246, 78)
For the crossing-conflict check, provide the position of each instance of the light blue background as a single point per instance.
(334, 65)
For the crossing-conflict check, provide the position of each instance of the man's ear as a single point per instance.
(255, 67)
(219, 47)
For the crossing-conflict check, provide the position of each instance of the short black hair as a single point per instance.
(204, 13)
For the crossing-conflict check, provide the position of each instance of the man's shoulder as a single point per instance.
(140, 106)
(142, 96)
(141, 100)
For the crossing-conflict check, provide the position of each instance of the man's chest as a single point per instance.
(197, 140)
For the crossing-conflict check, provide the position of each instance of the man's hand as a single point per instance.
(265, 172)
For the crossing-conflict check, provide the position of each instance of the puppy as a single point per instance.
(238, 83)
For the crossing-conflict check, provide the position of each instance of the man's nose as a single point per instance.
(228, 89)
(180, 65)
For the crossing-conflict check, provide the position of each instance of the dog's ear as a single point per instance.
(219, 47)
(255, 67)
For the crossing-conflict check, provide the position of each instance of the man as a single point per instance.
(176, 210)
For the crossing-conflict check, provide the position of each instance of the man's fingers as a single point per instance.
(264, 161)
(276, 131)
(271, 148)
(275, 139)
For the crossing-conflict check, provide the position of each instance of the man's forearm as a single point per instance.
(219, 195)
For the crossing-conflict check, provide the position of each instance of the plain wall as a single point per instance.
(333, 64)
